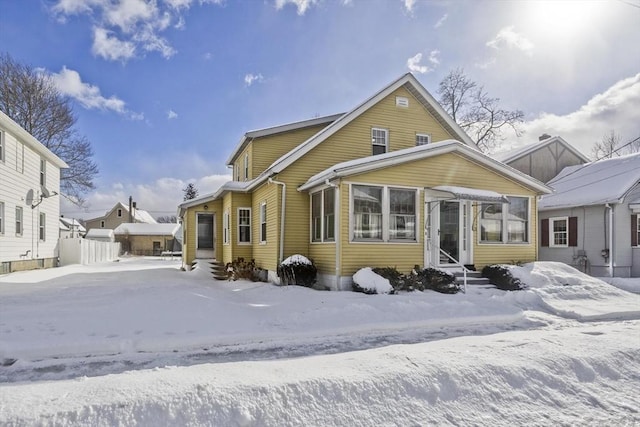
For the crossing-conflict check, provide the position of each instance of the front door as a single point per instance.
(447, 232)
(205, 237)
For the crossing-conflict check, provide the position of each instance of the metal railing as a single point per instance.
(456, 262)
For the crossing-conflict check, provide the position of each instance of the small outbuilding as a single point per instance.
(148, 239)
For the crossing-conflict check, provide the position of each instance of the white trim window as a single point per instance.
(20, 157)
(244, 225)
(505, 222)
(323, 214)
(2, 147)
(423, 139)
(637, 230)
(380, 213)
(246, 166)
(119, 212)
(101, 224)
(379, 140)
(402, 214)
(19, 223)
(42, 227)
(263, 222)
(43, 172)
(559, 232)
(1, 218)
(225, 227)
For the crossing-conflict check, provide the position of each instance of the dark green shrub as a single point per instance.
(438, 280)
(297, 272)
(418, 280)
(501, 277)
(395, 278)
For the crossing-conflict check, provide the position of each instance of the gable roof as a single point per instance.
(595, 183)
(138, 214)
(380, 161)
(67, 223)
(26, 138)
(516, 153)
(249, 136)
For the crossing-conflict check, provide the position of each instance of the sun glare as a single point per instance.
(564, 17)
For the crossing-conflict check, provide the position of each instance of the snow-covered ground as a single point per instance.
(141, 342)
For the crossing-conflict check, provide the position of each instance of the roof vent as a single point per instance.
(544, 136)
(402, 101)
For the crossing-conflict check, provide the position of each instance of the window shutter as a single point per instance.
(544, 232)
(573, 231)
(634, 230)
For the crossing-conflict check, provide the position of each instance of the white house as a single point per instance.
(591, 220)
(29, 201)
(71, 228)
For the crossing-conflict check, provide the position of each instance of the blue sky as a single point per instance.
(165, 89)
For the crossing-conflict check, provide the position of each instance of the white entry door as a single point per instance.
(447, 232)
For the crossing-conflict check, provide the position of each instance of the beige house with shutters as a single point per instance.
(393, 182)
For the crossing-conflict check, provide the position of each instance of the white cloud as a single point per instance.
(70, 84)
(409, 4)
(250, 79)
(441, 21)
(126, 27)
(109, 47)
(414, 65)
(614, 109)
(160, 198)
(301, 5)
(172, 115)
(507, 37)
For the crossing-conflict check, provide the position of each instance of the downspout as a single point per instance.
(611, 251)
(284, 198)
(338, 262)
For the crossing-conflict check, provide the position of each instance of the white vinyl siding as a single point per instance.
(2, 147)
(2, 220)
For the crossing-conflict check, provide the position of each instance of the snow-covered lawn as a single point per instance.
(141, 342)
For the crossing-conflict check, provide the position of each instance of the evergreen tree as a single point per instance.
(190, 192)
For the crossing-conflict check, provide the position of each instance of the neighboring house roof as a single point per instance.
(67, 223)
(142, 229)
(138, 214)
(246, 139)
(237, 186)
(26, 138)
(380, 161)
(516, 153)
(595, 183)
(99, 233)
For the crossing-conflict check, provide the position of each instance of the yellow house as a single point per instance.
(394, 182)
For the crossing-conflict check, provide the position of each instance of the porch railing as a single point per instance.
(456, 262)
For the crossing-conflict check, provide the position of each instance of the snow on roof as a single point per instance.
(142, 229)
(99, 233)
(71, 222)
(465, 193)
(227, 186)
(595, 183)
(143, 216)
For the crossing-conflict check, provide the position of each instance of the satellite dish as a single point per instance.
(29, 199)
(45, 192)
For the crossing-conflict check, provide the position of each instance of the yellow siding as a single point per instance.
(226, 254)
(190, 229)
(240, 200)
(266, 254)
(323, 256)
(239, 164)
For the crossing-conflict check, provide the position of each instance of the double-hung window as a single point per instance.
(244, 225)
(505, 222)
(422, 139)
(637, 230)
(42, 226)
(1, 217)
(559, 232)
(379, 140)
(119, 212)
(383, 213)
(246, 167)
(323, 226)
(263, 222)
(43, 172)
(18, 221)
(225, 227)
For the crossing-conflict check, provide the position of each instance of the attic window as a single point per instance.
(402, 101)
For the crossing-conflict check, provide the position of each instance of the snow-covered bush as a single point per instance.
(437, 280)
(368, 282)
(297, 270)
(501, 277)
(240, 269)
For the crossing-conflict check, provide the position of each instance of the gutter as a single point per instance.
(283, 210)
(611, 248)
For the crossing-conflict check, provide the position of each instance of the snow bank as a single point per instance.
(585, 375)
(297, 259)
(372, 282)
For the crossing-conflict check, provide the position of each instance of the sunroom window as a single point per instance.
(383, 213)
(323, 216)
(402, 214)
(367, 212)
(505, 222)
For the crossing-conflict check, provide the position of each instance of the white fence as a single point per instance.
(83, 251)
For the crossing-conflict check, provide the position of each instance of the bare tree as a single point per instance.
(190, 192)
(475, 111)
(31, 99)
(611, 146)
(167, 219)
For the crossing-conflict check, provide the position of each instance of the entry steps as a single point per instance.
(474, 278)
(216, 268)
